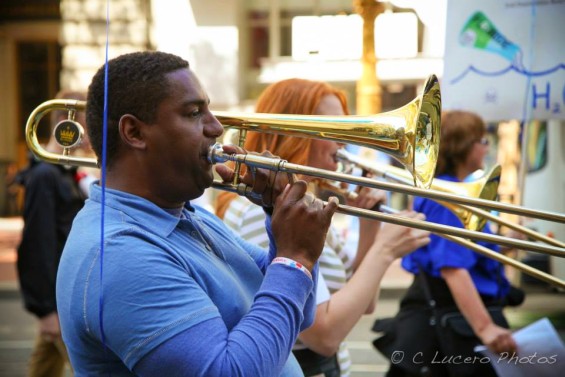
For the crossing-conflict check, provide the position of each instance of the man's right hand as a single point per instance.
(265, 184)
(300, 223)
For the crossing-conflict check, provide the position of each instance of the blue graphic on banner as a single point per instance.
(505, 60)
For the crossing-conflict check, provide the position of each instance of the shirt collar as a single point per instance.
(145, 213)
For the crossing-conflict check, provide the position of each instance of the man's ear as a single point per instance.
(130, 131)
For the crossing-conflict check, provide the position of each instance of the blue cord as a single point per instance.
(103, 182)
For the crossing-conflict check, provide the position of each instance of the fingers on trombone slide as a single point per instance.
(265, 185)
(369, 198)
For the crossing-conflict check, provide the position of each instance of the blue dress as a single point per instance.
(487, 274)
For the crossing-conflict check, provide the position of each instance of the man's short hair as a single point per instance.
(136, 85)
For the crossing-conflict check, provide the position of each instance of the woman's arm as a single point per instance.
(496, 338)
(368, 199)
(335, 318)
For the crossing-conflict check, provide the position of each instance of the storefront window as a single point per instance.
(39, 66)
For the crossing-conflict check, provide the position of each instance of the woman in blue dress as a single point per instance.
(455, 301)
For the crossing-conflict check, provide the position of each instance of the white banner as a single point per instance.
(505, 59)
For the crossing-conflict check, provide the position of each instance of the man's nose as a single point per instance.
(213, 126)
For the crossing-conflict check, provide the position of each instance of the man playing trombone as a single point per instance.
(168, 289)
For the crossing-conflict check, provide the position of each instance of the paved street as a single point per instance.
(16, 334)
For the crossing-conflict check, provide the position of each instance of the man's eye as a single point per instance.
(193, 113)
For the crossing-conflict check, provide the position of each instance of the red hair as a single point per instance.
(291, 96)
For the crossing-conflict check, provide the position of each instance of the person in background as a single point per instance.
(52, 198)
(449, 278)
(171, 290)
(353, 283)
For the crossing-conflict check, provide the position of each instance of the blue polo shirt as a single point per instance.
(163, 275)
(487, 274)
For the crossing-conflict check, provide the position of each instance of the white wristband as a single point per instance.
(292, 263)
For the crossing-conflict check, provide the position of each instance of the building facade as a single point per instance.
(237, 47)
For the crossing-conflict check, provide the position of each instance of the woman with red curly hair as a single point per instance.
(347, 287)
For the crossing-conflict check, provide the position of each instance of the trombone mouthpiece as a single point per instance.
(216, 154)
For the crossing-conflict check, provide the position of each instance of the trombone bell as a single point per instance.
(485, 188)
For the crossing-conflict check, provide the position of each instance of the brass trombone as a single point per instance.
(485, 188)
(410, 134)
(326, 185)
(471, 217)
(454, 234)
(217, 155)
